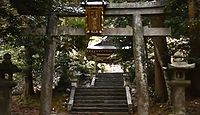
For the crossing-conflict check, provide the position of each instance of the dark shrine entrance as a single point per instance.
(135, 11)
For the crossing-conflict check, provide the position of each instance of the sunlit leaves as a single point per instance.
(177, 17)
(73, 22)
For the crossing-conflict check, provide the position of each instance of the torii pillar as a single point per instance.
(140, 68)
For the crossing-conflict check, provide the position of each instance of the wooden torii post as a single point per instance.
(137, 31)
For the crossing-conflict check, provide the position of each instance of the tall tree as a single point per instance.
(12, 34)
(48, 66)
(161, 60)
(194, 29)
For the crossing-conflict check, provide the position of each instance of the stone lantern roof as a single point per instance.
(179, 62)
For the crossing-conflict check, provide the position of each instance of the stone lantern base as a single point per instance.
(5, 96)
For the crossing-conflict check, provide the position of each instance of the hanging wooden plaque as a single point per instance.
(94, 19)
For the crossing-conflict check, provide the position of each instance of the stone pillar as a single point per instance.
(96, 68)
(140, 66)
(5, 96)
(74, 79)
(178, 82)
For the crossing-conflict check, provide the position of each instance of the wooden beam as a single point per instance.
(68, 31)
(119, 12)
(119, 9)
(148, 32)
(135, 5)
(106, 32)
(71, 31)
(124, 11)
(156, 32)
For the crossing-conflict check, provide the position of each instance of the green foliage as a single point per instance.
(16, 59)
(62, 75)
(178, 44)
(73, 22)
(177, 17)
(33, 7)
(10, 23)
(195, 27)
(183, 28)
(81, 43)
(74, 42)
(129, 68)
(125, 48)
(123, 44)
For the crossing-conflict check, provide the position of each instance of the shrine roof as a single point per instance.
(101, 47)
(105, 44)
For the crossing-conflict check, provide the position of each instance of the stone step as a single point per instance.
(109, 81)
(108, 86)
(110, 75)
(101, 109)
(101, 88)
(106, 97)
(100, 97)
(105, 78)
(99, 105)
(109, 78)
(99, 93)
(105, 82)
(114, 84)
(99, 113)
(102, 101)
(114, 87)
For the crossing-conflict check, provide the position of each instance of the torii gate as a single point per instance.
(136, 10)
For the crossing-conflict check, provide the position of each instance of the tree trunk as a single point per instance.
(140, 66)
(160, 87)
(161, 60)
(28, 90)
(48, 67)
(195, 43)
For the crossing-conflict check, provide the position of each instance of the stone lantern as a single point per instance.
(94, 15)
(179, 82)
(6, 83)
(5, 96)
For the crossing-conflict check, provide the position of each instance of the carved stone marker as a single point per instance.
(6, 73)
(178, 82)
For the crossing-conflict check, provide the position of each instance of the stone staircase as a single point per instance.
(107, 97)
